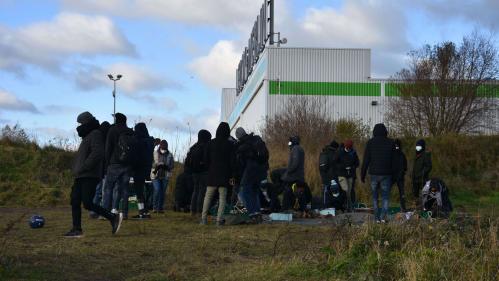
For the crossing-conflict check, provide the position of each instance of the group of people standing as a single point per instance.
(107, 158)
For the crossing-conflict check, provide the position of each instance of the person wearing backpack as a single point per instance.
(161, 172)
(196, 165)
(87, 171)
(120, 149)
(220, 161)
(347, 162)
(142, 167)
(252, 158)
(399, 173)
(327, 169)
(421, 168)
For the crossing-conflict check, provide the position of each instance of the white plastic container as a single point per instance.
(328, 212)
(281, 217)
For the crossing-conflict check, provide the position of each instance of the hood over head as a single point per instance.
(240, 133)
(223, 131)
(334, 144)
(141, 130)
(421, 143)
(204, 136)
(380, 130)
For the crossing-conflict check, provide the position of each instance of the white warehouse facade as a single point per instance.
(340, 78)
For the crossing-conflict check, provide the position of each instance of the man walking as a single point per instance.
(87, 170)
(120, 155)
(378, 158)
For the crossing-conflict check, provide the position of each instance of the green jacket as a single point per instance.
(422, 167)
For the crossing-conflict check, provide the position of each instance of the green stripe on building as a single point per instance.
(486, 90)
(324, 88)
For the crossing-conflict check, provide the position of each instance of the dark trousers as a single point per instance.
(416, 187)
(400, 185)
(139, 181)
(304, 196)
(83, 191)
(198, 193)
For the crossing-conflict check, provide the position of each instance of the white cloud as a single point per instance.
(218, 68)
(47, 44)
(9, 101)
(136, 79)
(222, 13)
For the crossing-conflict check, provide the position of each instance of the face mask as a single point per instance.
(419, 148)
(290, 143)
(162, 151)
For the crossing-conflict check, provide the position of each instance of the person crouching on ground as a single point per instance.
(87, 171)
(160, 175)
(219, 159)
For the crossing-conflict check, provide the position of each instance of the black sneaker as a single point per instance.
(116, 222)
(141, 216)
(221, 222)
(74, 233)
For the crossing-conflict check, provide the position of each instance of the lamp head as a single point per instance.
(110, 76)
(284, 41)
(119, 76)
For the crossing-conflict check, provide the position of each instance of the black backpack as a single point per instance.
(127, 148)
(324, 160)
(261, 151)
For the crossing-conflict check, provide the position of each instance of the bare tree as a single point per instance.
(447, 89)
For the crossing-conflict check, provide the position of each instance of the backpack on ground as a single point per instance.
(261, 151)
(127, 148)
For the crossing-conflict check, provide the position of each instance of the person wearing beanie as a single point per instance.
(220, 162)
(420, 169)
(161, 173)
(252, 165)
(119, 168)
(378, 161)
(194, 163)
(400, 168)
(328, 170)
(295, 172)
(347, 161)
(87, 171)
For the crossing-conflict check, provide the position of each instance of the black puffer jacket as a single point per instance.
(89, 158)
(194, 162)
(378, 155)
(249, 171)
(346, 162)
(220, 158)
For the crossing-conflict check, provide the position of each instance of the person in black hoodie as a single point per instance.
(421, 169)
(399, 173)
(118, 171)
(99, 190)
(378, 160)
(142, 166)
(220, 160)
(327, 168)
(87, 171)
(195, 164)
(347, 161)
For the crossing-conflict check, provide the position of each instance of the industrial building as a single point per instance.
(340, 78)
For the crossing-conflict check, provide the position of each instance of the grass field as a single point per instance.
(174, 247)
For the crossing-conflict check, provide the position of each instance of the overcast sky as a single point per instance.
(176, 55)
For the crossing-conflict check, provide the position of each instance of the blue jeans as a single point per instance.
(251, 198)
(99, 191)
(116, 188)
(158, 198)
(385, 182)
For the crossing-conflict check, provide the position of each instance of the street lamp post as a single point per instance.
(279, 41)
(111, 77)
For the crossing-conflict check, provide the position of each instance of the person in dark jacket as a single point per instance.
(196, 165)
(421, 168)
(347, 161)
(118, 173)
(378, 160)
(399, 173)
(251, 172)
(219, 159)
(295, 173)
(87, 171)
(142, 166)
(99, 190)
(183, 192)
(327, 168)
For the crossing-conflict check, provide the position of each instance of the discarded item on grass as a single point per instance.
(281, 217)
(328, 212)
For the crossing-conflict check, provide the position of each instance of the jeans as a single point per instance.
(199, 184)
(99, 192)
(347, 184)
(159, 186)
(385, 184)
(210, 192)
(116, 187)
(251, 198)
(83, 191)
